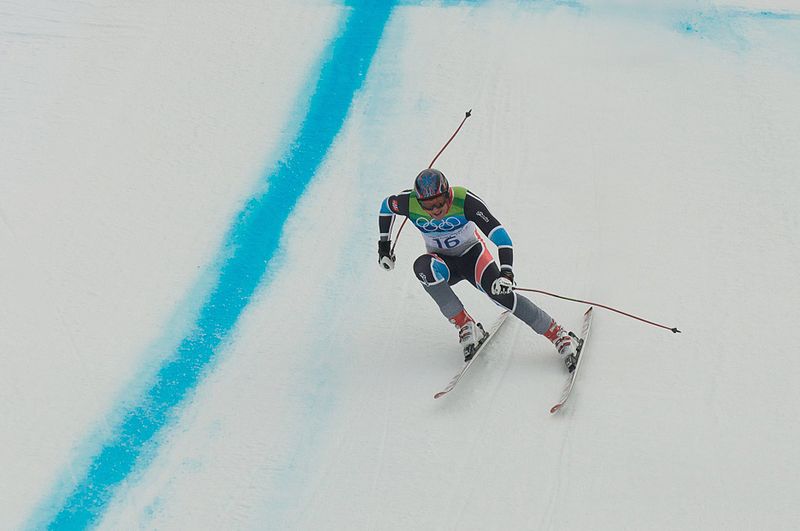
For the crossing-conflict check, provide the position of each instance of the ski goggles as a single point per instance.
(435, 203)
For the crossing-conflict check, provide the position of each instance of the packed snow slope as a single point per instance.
(194, 331)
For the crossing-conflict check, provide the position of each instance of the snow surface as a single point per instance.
(640, 155)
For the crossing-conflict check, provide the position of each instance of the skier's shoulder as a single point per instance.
(472, 197)
(475, 209)
(397, 203)
(468, 200)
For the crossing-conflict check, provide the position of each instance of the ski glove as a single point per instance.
(385, 257)
(503, 284)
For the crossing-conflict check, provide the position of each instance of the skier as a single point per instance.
(448, 218)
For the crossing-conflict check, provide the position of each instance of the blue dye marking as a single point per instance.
(767, 15)
(725, 25)
(536, 4)
(250, 246)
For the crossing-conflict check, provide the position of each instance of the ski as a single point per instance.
(497, 324)
(587, 323)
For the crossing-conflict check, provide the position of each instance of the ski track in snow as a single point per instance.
(137, 136)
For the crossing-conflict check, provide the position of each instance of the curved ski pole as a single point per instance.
(671, 329)
(397, 236)
(466, 115)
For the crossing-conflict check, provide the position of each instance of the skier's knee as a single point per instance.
(506, 300)
(430, 269)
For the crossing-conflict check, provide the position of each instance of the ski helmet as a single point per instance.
(430, 184)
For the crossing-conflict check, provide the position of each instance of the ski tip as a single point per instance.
(555, 408)
(440, 394)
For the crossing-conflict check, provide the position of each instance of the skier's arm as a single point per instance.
(390, 207)
(476, 210)
(385, 220)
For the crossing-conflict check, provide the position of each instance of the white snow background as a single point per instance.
(641, 156)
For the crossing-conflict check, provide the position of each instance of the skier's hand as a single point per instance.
(385, 257)
(503, 284)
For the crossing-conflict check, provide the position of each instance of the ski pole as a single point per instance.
(671, 329)
(397, 236)
(466, 115)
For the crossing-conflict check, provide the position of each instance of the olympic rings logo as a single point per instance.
(433, 225)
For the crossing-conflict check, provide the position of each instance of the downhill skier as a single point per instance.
(449, 219)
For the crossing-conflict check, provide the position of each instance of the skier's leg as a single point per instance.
(478, 265)
(486, 272)
(520, 306)
(435, 276)
(531, 314)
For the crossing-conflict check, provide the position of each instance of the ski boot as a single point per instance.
(470, 334)
(565, 344)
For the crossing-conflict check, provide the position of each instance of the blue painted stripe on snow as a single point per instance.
(251, 245)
